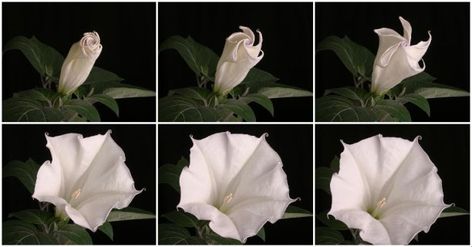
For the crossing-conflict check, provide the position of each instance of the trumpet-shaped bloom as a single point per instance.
(388, 188)
(396, 59)
(79, 62)
(86, 179)
(235, 181)
(239, 56)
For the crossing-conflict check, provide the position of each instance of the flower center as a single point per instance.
(376, 211)
(75, 194)
(226, 201)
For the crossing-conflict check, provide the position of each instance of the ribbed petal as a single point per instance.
(86, 179)
(394, 180)
(240, 176)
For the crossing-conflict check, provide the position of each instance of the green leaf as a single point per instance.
(417, 100)
(99, 75)
(23, 171)
(170, 174)
(325, 235)
(34, 216)
(34, 105)
(83, 108)
(296, 212)
(339, 108)
(256, 77)
(128, 92)
(129, 213)
(182, 219)
(105, 100)
(170, 234)
(196, 93)
(214, 238)
(72, 234)
(352, 93)
(177, 108)
(260, 99)
(107, 229)
(239, 108)
(331, 222)
(284, 92)
(323, 178)
(45, 59)
(334, 164)
(386, 109)
(199, 58)
(423, 85)
(261, 234)
(453, 211)
(20, 232)
(440, 91)
(357, 59)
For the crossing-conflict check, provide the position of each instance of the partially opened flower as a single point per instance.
(239, 56)
(79, 62)
(388, 188)
(86, 179)
(236, 182)
(396, 58)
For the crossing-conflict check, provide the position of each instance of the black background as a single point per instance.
(293, 143)
(447, 58)
(21, 142)
(127, 32)
(448, 148)
(287, 30)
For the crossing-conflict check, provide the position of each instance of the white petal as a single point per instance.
(406, 29)
(240, 176)
(372, 230)
(396, 178)
(86, 179)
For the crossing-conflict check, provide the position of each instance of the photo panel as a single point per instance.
(79, 173)
(79, 62)
(235, 62)
(392, 62)
(235, 178)
(392, 182)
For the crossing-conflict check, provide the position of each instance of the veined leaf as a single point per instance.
(177, 108)
(170, 173)
(72, 234)
(45, 59)
(453, 211)
(239, 108)
(326, 235)
(107, 229)
(171, 234)
(129, 213)
(260, 99)
(23, 171)
(296, 212)
(83, 109)
(99, 75)
(20, 232)
(331, 222)
(357, 59)
(198, 57)
(417, 100)
(105, 100)
(128, 92)
(182, 219)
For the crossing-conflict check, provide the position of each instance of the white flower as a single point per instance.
(388, 188)
(79, 62)
(86, 179)
(236, 182)
(396, 59)
(239, 56)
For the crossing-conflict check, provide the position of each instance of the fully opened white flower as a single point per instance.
(388, 188)
(79, 62)
(86, 179)
(396, 58)
(235, 181)
(239, 56)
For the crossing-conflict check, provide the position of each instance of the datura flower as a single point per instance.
(236, 182)
(388, 188)
(239, 56)
(396, 59)
(79, 62)
(86, 179)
